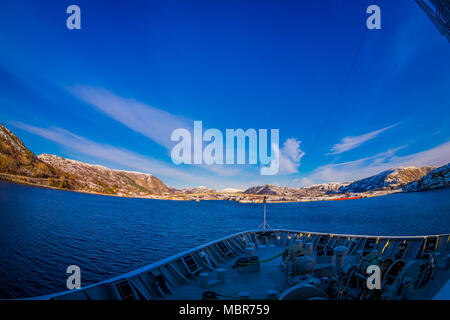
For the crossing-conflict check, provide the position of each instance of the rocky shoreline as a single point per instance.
(18, 164)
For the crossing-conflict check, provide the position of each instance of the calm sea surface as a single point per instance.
(43, 231)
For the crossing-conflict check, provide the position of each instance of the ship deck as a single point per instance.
(212, 268)
(271, 276)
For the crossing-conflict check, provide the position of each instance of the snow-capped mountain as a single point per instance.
(19, 164)
(437, 178)
(387, 180)
(323, 188)
(92, 177)
(267, 189)
(397, 179)
(313, 190)
(196, 190)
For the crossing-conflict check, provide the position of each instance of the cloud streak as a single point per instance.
(149, 121)
(349, 143)
(365, 167)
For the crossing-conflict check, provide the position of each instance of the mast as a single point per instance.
(264, 226)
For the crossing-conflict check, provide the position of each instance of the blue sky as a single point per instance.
(112, 92)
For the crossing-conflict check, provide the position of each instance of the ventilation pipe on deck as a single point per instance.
(340, 253)
(298, 244)
(221, 275)
(309, 249)
(203, 278)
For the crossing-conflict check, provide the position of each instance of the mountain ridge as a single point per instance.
(16, 159)
(19, 164)
(101, 179)
(390, 179)
(437, 178)
(398, 179)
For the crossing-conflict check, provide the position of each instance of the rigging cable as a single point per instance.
(333, 107)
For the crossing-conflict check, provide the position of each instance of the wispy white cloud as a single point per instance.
(118, 156)
(158, 125)
(349, 143)
(290, 156)
(365, 167)
(149, 121)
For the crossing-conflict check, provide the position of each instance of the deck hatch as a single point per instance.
(128, 292)
(191, 265)
(223, 248)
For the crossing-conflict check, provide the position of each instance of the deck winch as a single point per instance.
(331, 272)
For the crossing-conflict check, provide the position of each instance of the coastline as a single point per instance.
(250, 198)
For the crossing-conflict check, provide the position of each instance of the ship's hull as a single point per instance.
(286, 264)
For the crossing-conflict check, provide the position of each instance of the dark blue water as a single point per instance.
(43, 231)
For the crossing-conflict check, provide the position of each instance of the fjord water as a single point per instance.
(43, 231)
